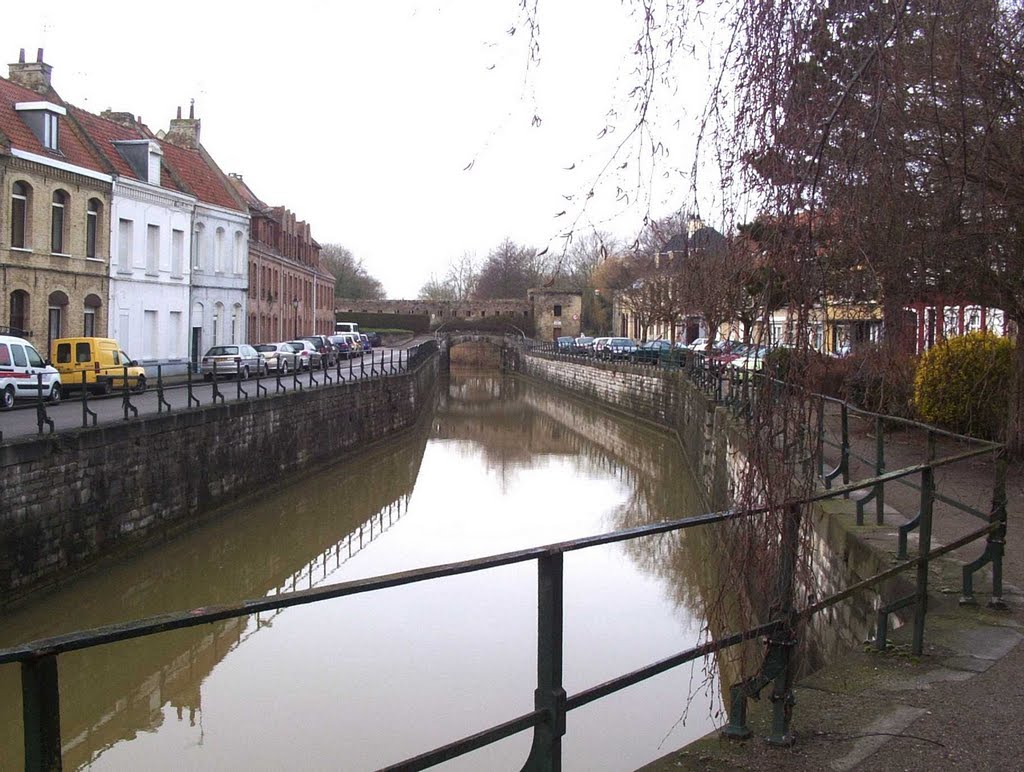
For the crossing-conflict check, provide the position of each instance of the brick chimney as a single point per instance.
(33, 75)
(184, 132)
(125, 119)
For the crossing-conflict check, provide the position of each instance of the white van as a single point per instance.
(20, 368)
(340, 327)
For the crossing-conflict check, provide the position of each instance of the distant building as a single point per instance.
(291, 292)
(556, 312)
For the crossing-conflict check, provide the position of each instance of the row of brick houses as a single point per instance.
(109, 229)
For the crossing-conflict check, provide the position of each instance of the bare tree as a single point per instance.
(351, 279)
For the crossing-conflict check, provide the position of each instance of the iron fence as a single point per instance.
(38, 659)
(127, 387)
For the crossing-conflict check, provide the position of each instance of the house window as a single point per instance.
(216, 323)
(150, 338)
(197, 248)
(218, 251)
(58, 207)
(152, 250)
(558, 310)
(125, 234)
(50, 131)
(92, 302)
(239, 256)
(19, 312)
(92, 227)
(177, 252)
(19, 214)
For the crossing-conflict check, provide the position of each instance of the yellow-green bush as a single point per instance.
(964, 384)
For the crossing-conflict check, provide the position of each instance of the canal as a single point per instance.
(360, 682)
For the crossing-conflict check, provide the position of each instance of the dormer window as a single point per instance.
(43, 119)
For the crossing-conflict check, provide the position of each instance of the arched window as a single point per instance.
(19, 313)
(239, 249)
(21, 198)
(218, 251)
(236, 323)
(92, 302)
(218, 318)
(58, 222)
(92, 227)
(55, 315)
(197, 247)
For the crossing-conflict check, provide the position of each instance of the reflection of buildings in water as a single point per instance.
(111, 693)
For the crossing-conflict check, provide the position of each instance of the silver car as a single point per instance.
(280, 357)
(235, 359)
(309, 357)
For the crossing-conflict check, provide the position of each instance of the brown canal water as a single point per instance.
(360, 682)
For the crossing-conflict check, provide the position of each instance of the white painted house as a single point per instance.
(220, 241)
(151, 217)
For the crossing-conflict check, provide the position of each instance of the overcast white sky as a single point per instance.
(361, 117)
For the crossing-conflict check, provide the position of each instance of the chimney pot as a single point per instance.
(34, 75)
(21, 56)
(39, 55)
(179, 112)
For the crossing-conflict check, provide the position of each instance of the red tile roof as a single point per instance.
(104, 133)
(201, 175)
(72, 148)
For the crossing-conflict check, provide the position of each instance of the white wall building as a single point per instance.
(151, 214)
(150, 265)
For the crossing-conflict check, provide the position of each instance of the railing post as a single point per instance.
(910, 525)
(924, 546)
(546, 752)
(87, 412)
(40, 700)
(995, 543)
(879, 470)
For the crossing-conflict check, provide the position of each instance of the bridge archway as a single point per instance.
(487, 349)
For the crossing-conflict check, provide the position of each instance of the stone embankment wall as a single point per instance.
(711, 441)
(70, 499)
(714, 445)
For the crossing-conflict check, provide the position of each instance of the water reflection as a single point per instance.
(502, 465)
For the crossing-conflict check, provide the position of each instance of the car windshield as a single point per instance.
(222, 351)
(263, 347)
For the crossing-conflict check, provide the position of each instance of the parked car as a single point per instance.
(614, 348)
(365, 340)
(20, 368)
(564, 343)
(700, 345)
(328, 351)
(344, 345)
(308, 356)
(375, 339)
(652, 352)
(752, 359)
(97, 364)
(230, 360)
(279, 357)
(584, 344)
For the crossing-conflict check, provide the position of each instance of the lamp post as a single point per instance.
(295, 305)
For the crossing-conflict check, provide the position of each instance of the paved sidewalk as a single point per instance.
(954, 708)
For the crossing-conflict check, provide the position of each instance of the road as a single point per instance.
(23, 420)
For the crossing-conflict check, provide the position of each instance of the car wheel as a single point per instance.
(140, 386)
(284, 368)
(8, 398)
(54, 397)
(102, 387)
(244, 375)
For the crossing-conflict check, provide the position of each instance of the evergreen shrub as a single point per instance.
(964, 384)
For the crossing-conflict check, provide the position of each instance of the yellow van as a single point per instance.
(98, 364)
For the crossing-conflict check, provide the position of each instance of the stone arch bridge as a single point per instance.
(502, 349)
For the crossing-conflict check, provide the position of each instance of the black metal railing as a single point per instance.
(38, 659)
(41, 690)
(181, 389)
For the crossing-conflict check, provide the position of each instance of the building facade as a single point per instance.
(218, 290)
(290, 292)
(55, 215)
